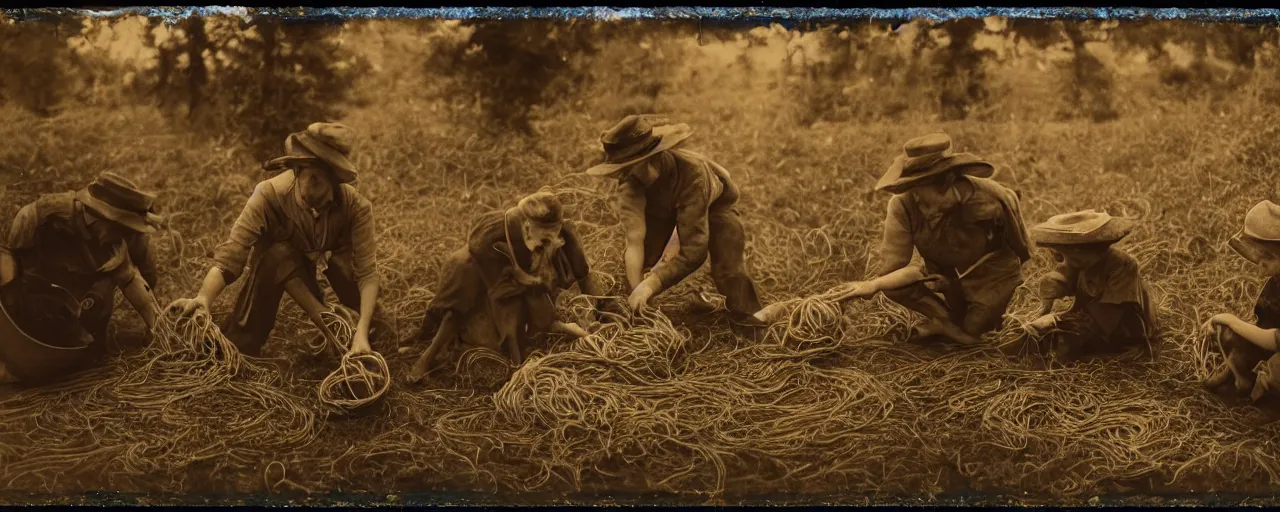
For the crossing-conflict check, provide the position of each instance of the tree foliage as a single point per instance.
(37, 61)
(258, 81)
(506, 67)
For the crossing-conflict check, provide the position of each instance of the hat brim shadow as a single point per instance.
(1112, 231)
(1250, 248)
(894, 181)
(668, 137)
(343, 169)
(140, 223)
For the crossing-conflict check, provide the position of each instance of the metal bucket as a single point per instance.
(32, 360)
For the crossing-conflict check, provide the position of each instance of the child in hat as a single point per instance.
(290, 223)
(64, 258)
(501, 288)
(667, 190)
(1112, 309)
(968, 230)
(1246, 344)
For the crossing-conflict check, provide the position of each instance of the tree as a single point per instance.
(509, 66)
(258, 81)
(1086, 83)
(959, 69)
(38, 60)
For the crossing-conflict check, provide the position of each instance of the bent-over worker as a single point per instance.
(64, 259)
(289, 225)
(969, 232)
(666, 189)
(501, 288)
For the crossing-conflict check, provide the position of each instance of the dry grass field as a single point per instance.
(837, 409)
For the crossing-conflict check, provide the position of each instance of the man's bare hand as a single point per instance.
(189, 307)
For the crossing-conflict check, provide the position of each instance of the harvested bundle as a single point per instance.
(190, 399)
(808, 320)
(340, 323)
(483, 368)
(198, 334)
(360, 380)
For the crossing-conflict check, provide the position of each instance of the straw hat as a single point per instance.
(327, 142)
(117, 199)
(927, 156)
(1261, 231)
(1083, 227)
(635, 138)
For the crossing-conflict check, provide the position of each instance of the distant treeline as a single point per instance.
(254, 79)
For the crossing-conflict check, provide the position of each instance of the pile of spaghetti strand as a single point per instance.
(188, 406)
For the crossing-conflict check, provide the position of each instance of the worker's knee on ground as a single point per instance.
(282, 262)
(982, 319)
(739, 292)
(1244, 360)
(542, 313)
(908, 296)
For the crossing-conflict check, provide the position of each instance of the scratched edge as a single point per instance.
(738, 14)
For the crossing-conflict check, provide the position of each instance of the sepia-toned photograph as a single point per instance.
(603, 256)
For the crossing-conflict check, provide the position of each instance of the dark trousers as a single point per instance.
(727, 247)
(258, 303)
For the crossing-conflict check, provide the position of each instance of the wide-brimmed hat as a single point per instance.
(1083, 227)
(1261, 232)
(327, 142)
(926, 156)
(636, 138)
(117, 199)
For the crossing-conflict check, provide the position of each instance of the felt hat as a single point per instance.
(635, 138)
(1261, 232)
(327, 142)
(117, 199)
(1083, 227)
(927, 156)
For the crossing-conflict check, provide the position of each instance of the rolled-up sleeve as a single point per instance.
(631, 206)
(364, 241)
(231, 256)
(1058, 283)
(22, 234)
(693, 227)
(1124, 283)
(896, 245)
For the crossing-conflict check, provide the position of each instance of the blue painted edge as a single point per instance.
(781, 14)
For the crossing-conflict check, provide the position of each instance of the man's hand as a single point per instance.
(1042, 324)
(360, 345)
(1046, 306)
(1210, 328)
(640, 296)
(189, 307)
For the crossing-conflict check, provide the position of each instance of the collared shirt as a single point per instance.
(489, 247)
(1267, 307)
(955, 236)
(274, 214)
(684, 193)
(1112, 292)
(49, 238)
